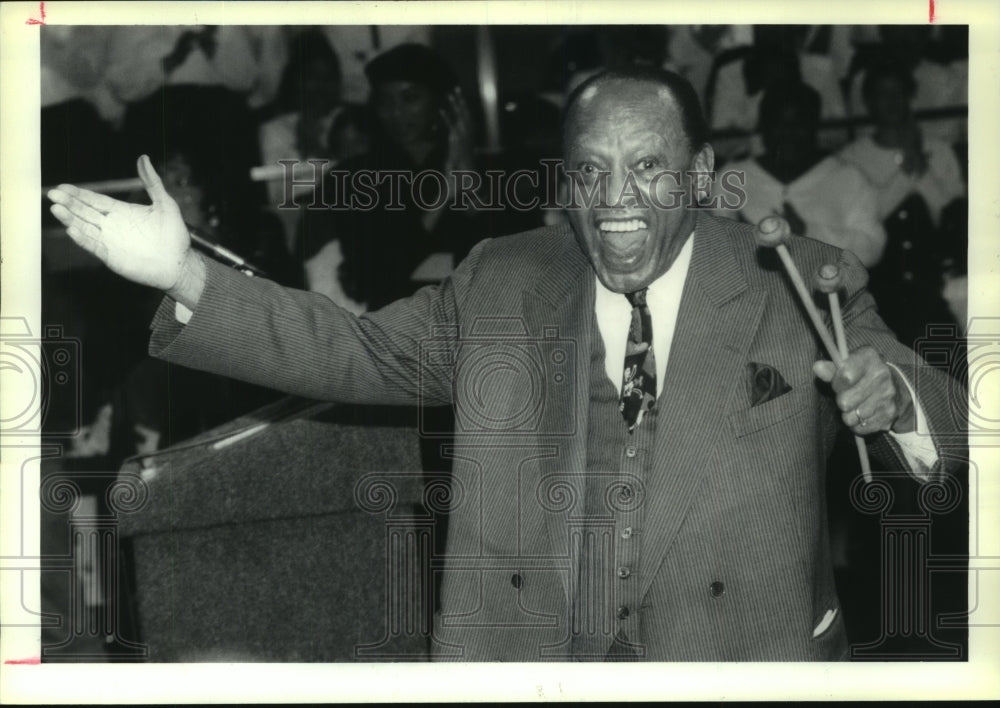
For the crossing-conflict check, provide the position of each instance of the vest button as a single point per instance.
(630, 451)
(627, 532)
(624, 572)
(622, 612)
(516, 580)
(625, 493)
(717, 589)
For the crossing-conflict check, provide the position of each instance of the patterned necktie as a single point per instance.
(639, 384)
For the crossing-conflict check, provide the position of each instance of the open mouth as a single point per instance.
(623, 242)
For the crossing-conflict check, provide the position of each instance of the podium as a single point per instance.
(297, 533)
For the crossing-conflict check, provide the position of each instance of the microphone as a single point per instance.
(200, 238)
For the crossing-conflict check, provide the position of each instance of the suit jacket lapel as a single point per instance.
(561, 305)
(717, 320)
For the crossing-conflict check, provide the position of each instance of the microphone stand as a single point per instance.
(221, 253)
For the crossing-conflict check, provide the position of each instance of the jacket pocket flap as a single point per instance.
(747, 421)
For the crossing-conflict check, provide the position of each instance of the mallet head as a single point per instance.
(772, 232)
(828, 278)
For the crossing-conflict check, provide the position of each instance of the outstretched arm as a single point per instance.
(253, 329)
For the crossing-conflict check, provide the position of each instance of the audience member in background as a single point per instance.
(245, 59)
(781, 55)
(153, 407)
(421, 123)
(203, 199)
(916, 179)
(359, 44)
(348, 139)
(77, 142)
(692, 50)
(307, 103)
(939, 70)
(349, 132)
(192, 89)
(821, 196)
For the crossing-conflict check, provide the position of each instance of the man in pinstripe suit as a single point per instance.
(698, 534)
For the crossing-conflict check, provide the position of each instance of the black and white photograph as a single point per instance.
(460, 350)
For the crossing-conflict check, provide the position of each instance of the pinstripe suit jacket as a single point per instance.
(736, 492)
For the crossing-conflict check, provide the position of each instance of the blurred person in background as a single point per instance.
(420, 122)
(357, 45)
(253, 234)
(780, 55)
(245, 59)
(153, 405)
(307, 104)
(194, 90)
(77, 138)
(348, 139)
(820, 196)
(693, 49)
(349, 135)
(921, 194)
(937, 60)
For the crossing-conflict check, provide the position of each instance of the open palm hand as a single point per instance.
(147, 244)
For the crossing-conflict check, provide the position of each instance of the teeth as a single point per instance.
(620, 226)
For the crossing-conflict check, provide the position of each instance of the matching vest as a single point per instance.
(606, 617)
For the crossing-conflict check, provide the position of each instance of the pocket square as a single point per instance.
(764, 383)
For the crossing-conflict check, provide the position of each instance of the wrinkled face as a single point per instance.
(630, 134)
(406, 110)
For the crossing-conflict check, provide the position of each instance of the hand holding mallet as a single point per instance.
(829, 280)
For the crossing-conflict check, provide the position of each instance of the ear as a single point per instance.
(703, 165)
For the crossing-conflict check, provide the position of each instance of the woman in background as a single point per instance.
(921, 202)
(821, 196)
(307, 105)
(419, 122)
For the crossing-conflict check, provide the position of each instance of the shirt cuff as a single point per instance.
(917, 446)
(181, 313)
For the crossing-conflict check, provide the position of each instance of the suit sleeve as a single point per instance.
(303, 344)
(942, 398)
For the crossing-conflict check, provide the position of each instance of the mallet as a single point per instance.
(829, 280)
(776, 240)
